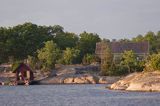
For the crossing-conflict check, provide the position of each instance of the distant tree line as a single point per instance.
(49, 45)
(153, 38)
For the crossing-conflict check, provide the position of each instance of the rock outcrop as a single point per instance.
(80, 79)
(108, 79)
(68, 80)
(66, 74)
(72, 79)
(145, 81)
(73, 74)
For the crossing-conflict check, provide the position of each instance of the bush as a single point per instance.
(119, 70)
(32, 62)
(115, 70)
(49, 55)
(69, 56)
(153, 63)
(129, 60)
(139, 67)
(88, 59)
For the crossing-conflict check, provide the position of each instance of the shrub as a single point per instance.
(129, 60)
(120, 70)
(139, 67)
(153, 63)
(69, 55)
(88, 59)
(32, 62)
(49, 55)
(107, 61)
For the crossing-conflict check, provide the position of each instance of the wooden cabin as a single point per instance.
(141, 49)
(24, 73)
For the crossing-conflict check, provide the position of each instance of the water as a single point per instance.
(74, 95)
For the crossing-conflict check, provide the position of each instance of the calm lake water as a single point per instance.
(74, 95)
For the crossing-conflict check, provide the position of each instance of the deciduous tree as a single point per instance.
(49, 55)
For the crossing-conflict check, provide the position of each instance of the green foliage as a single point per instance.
(66, 40)
(152, 38)
(55, 30)
(22, 40)
(88, 59)
(69, 56)
(4, 32)
(49, 54)
(129, 59)
(107, 62)
(117, 70)
(139, 67)
(154, 62)
(32, 61)
(129, 62)
(139, 38)
(124, 40)
(87, 43)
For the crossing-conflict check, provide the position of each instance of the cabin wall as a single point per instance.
(101, 46)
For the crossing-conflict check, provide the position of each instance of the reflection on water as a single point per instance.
(74, 95)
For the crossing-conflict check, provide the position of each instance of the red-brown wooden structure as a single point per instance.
(23, 73)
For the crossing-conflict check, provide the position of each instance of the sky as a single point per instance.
(111, 19)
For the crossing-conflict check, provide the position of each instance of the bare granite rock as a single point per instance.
(108, 79)
(69, 80)
(73, 74)
(79, 79)
(145, 81)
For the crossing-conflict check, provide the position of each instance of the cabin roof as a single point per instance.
(120, 47)
(24, 66)
(138, 47)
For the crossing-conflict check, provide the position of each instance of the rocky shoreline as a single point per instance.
(67, 79)
(66, 74)
(144, 81)
(80, 74)
(80, 79)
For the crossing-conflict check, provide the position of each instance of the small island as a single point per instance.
(79, 53)
(43, 55)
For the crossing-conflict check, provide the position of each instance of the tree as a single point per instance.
(124, 40)
(49, 55)
(3, 45)
(66, 40)
(55, 30)
(157, 42)
(22, 40)
(69, 55)
(129, 60)
(150, 36)
(139, 38)
(107, 61)
(87, 43)
(32, 62)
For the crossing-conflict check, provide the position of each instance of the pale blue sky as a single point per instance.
(108, 18)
